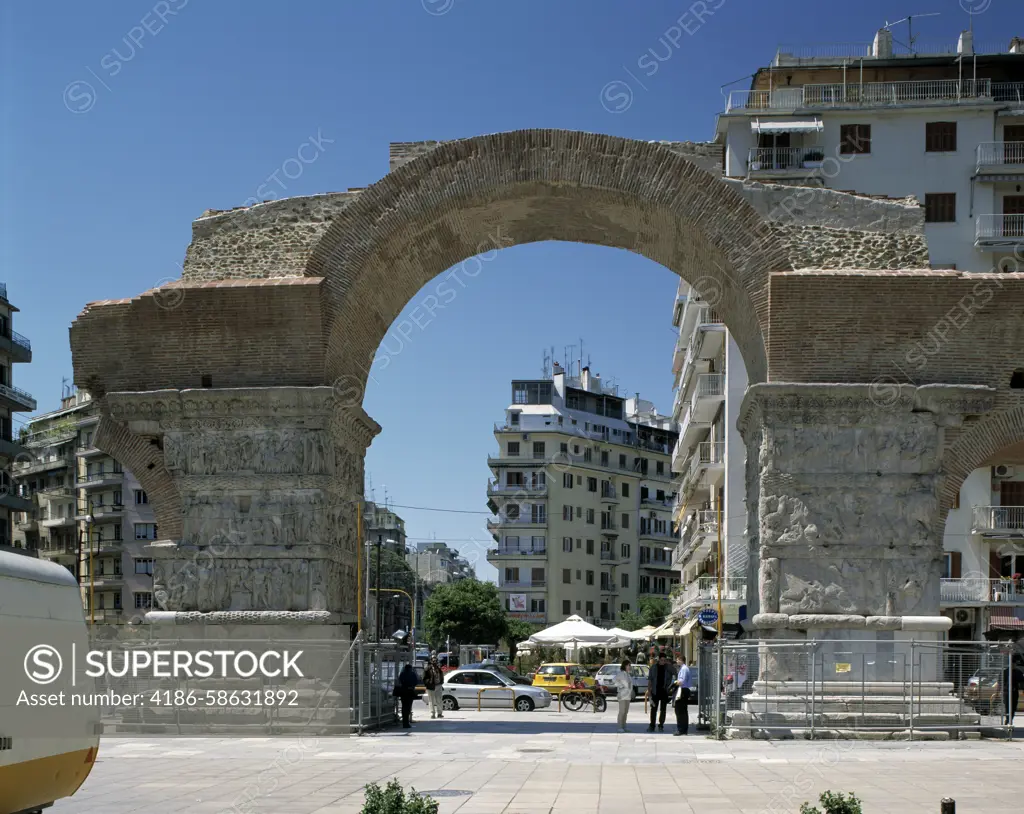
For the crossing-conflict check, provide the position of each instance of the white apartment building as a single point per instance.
(942, 124)
(14, 348)
(381, 526)
(582, 495)
(87, 512)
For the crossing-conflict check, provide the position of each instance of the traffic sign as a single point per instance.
(708, 616)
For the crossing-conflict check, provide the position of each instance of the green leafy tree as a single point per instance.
(468, 611)
(516, 630)
(631, 621)
(653, 610)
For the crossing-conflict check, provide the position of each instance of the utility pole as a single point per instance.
(92, 573)
(378, 590)
(719, 502)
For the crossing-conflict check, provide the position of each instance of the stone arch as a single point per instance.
(976, 444)
(470, 196)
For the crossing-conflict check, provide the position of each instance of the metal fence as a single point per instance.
(861, 689)
(374, 670)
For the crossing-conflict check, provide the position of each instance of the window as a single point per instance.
(513, 418)
(579, 480)
(512, 511)
(627, 551)
(567, 480)
(622, 462)
(579, 575)
(564, 448)
(604, 458)
(566, 576)
(144, 566)
(940, 137)
(513, 449)
(855, 139)
(141, 498)
(567, 512)
(590, 516)
(566, 607)
(511, 574)
(624, 607)
(590, 546)
(143, 531)
(951, 565)
(625, 489)
(538, 449)
(590, 577)
(578, 604)
(659, 467)
(940, 207)
(567, 544)
(659, 585)
(578, 542)
(624, 579)
(625, 520)
(645, 584)
(590, 609)
(591, 484)
(117, 498)
(144, 600)
(537, 576)
(531, 392)
(514, 478)
(536, 606)
(117, 533)
(604, 610)
(579, 512)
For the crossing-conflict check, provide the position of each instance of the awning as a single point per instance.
(791, 126)
(688, 627)
(1006, 619)
(667, 630)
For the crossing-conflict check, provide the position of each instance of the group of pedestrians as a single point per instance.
(405, 689)
(664, 682)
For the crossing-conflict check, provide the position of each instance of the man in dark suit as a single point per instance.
(660, 684)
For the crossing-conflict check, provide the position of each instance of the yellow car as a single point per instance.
(560, 675)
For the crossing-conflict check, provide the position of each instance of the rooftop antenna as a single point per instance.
(909, 20)
(65, 389)
(545, 368)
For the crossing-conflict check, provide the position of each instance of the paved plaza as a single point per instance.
(541, 762)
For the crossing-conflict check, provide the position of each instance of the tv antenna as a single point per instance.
(909, 20)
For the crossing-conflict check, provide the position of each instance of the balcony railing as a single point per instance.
(18, 339)
(1000, 153)
(524, 583)
(527, 520)
(18, 396)
(999, 228)
(1011, 92)
(98, 477)
(608, 587)
(708, 385)
(517, 551)
(767, 159)
(608, 556)
(870, 94)
(998, 518)
(970, 589)
(705, 589)
(53, 462)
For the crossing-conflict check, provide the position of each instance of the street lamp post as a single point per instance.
(92, 580)
(378, 591)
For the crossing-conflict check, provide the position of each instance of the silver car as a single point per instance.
(606, 679)
(462, 688)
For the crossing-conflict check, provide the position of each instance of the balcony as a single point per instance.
(871, 94)
(101, 545)
(704, 591)
(502, 552)
(21, 399)
(655, 503)
(16, 503)
(52, 548)
(997, 159)
(608, 495)
(17, 347)
(28, 521)
(65, 431)
(106, 616)
(993, 231)
(708, 394)
(11, 449)
(609, 530)
(99, 479)
(58, 522)
(971, 590)
(496, 489)
(45, 465)
(100, 581)
(103, 513)
(1001, 520)
(699, 532)
(88, 451)
(706, 466)
(783, 162)
(608, 556)
(609, 588)
(496, 523)
(523, 584)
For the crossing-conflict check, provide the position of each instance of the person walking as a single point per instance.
(433, 680)
(1015, 686)
(624, 691)
(684, 684)
(659, 687)
(407, 681)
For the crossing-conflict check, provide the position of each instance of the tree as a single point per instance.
(395, 572)
(468, 611)
(516, 630)
(654, 610)
(631, 621)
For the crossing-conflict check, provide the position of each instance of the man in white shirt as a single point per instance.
(624, 691)
(684, 684)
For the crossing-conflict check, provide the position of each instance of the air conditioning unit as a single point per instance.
(1003, 471)
(963, 616)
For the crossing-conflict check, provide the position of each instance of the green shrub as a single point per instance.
(392, 800)
(834, 804)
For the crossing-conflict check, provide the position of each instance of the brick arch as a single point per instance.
(470, 196)
(977, 444)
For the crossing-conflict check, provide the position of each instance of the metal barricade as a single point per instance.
(482, 690)
(837, 688)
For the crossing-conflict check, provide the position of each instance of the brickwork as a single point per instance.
(241, 333)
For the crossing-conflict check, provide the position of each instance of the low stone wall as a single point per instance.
(819, 247)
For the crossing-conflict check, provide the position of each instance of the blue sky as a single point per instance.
(196, 109)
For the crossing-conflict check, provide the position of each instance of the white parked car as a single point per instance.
(606, 679)
(462, 689)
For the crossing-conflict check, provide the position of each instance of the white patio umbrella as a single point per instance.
(643, 634)
(575, 631)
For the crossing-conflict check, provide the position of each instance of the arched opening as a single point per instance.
(1017, 379)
